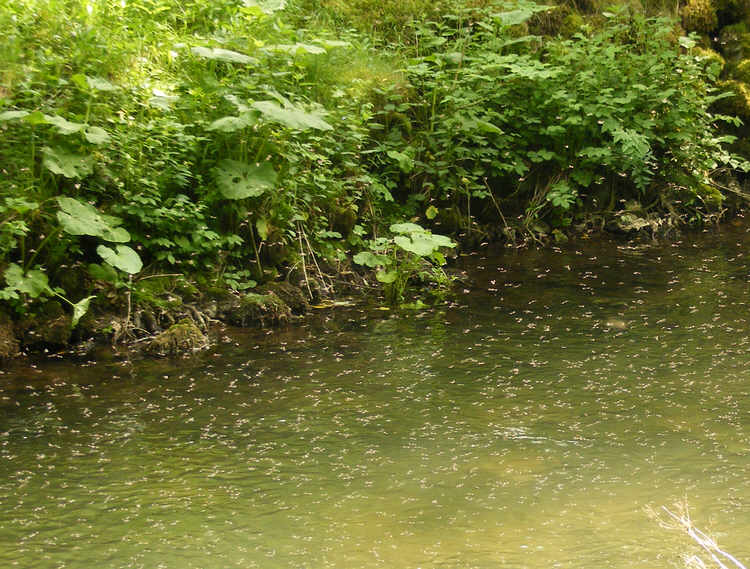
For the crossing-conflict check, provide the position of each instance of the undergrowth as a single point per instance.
(234, 140)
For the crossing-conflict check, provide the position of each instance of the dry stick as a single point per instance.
(497, 205)
(315, 261)
(302, 256)
(708, 544)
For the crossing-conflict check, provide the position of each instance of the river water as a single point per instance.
(532, 423)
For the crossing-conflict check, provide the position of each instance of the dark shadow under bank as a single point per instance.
(481, 269)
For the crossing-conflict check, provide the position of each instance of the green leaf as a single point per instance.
(268, 7)
(64, 126)
(100, 84)
(79, 309)
(35, 117)
(406, 228)
(372, 260)
(104, 272)
(237, 180)
(219, 54)
(431, 212)
(262, 226)
(78, 218)
(297, 48)
(122, 257)
(405, 162)
(387, 277)
(116, 235)
(96, 135)
(12, 115)
(33, 283)
(292, 116)
(69, 165)
(233, 124)
(416, 243)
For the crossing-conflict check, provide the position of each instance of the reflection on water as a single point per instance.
(527, 425)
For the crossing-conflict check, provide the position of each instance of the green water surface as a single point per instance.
(529, 424)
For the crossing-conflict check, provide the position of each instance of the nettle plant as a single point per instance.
(410, 253)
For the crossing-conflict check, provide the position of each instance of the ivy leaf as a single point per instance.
(292, 116)
(68, 165)
(122, 257)
(237, 180)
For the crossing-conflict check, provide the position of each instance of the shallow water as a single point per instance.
(529, 424)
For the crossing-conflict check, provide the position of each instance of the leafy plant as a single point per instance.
(410, 253)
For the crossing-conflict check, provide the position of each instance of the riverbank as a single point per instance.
(213, 158)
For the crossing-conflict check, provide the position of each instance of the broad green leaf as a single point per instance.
(387, 277)
(79, 309)
(35, 118)
(163, 101)
(519, 16)
(431, 212)
(220, 54)
(96, 135)
(405, 162)
(116, 235)
(370, 259)
(11, 115)
(292, 116)
(406, 228)
(100, 84)
(237, 180)
(78, 218)
(329, 44)
(33, 282)
(69, 165)
(297, 48)
(80, 81)
(64, 126)
(103, 272)
(232, 124)
(417, 243)
(268, 7)
(121, 257)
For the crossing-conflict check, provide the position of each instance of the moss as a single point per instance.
(180, 338)
(259, 310)
(734, 42)
(731, 11)
(738, 104)
(8, 342)
(699, 16)
(741, 71)
(49, 328)
(711, 60)
(293, 296)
